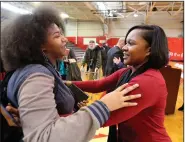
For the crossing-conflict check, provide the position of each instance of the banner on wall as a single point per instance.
(175, 46)
(174, 56)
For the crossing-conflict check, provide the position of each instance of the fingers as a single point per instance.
(79, 105)
(12, 110)
(131, 97)
(128, 104)
(129, 89)
(115, 59)
(86, 101)
(82, 104)
(121, 87)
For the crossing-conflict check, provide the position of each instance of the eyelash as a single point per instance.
(57, 36)
(128, 43)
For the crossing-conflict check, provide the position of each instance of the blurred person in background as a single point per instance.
(104, 49)
(92, 59)
(115, 58)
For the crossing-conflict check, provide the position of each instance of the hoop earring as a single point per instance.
(44, 56)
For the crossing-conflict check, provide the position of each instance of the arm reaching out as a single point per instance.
(106, 84)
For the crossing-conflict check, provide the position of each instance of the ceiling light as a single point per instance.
(14, 9)
(101, 5)
(64, 15)
(135, 15)
(36, 3)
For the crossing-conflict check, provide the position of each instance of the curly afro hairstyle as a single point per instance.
(21, 39)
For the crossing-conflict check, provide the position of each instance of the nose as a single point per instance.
(125, 47)
(64, 39)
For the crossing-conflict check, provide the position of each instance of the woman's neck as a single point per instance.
(51, 59)
(134, 68)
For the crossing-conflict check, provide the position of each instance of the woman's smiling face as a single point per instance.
(56, 42)
(136, 49)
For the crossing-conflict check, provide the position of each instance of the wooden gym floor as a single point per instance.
(173, 123)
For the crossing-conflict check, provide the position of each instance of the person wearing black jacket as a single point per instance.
(104, 50)
(114, 52)
(93, 59)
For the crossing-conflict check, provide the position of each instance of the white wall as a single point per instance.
(118, 28)
(84, 28)
(70, 28)
(171, 25)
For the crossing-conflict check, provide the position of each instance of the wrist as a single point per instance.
(104, 104)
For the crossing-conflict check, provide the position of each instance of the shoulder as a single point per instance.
(150, 80)
(151, 74)
(34, 68)
(22, 74)
(38, 80)
(88, 50)
(111, 51)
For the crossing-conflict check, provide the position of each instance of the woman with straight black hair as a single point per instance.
(145, 51)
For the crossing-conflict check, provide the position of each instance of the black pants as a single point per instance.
(112, 137)
(104, 62)
(87, 68)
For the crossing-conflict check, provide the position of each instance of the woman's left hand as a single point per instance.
(116, 60)
(66, 82)
(82, 104)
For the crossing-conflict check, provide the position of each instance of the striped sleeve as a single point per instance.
(100, 111)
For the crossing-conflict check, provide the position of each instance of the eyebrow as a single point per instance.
(56, 32)
(130, 40)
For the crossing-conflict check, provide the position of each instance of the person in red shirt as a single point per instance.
(145, 51)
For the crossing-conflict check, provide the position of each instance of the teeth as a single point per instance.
(125, 56)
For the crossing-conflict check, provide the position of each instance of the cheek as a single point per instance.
(57, 48)
(137, 55)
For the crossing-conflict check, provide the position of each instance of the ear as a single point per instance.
(148, 51)
(43, 48)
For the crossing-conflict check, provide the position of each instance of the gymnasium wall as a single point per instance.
(78, 31)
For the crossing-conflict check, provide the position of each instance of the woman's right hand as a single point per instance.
(117, 99)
